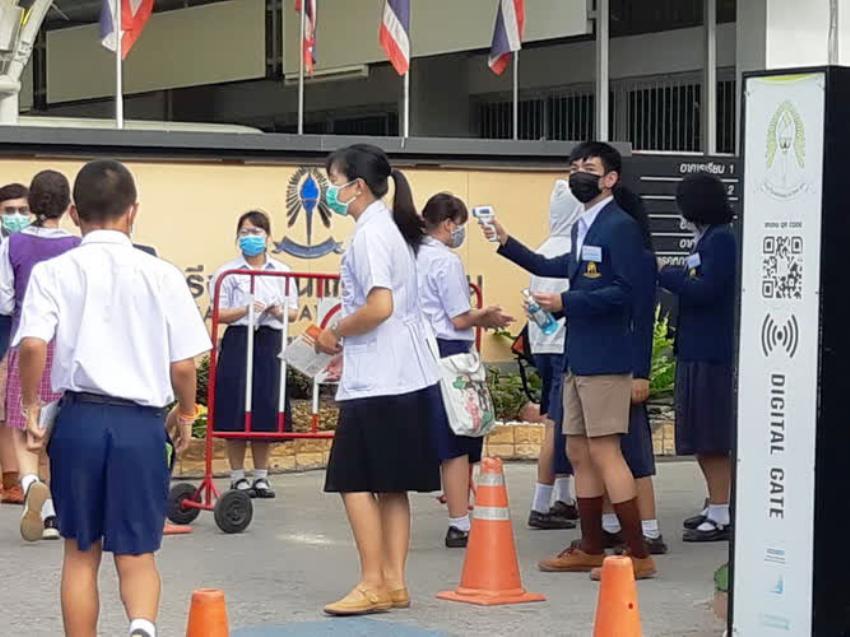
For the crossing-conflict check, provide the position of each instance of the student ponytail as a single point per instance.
(410, 224)
(371, 164)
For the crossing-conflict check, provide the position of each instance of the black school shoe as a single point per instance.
(549, 521)
(656, 545)
(564, 510)
(262, 489)
(456, 539)
(240, 485)
(718, 533)
(695, 520)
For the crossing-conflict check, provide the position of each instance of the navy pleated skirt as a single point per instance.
(231, 381)
(703, 408)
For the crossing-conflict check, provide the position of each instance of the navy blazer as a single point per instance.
(598, 305)
(705, 328)
(643, 321)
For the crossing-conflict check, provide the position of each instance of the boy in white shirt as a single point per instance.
(126, 332)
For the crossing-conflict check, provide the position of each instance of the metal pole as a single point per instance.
(602, 74)
(301, 69)
(709, 113)
(406, 130)
(119, 72)
(516, 94)
(833, 32)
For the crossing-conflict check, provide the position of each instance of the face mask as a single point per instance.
(585, 186)
(252, 245)
(332, 199)
(458, 236)
(15, 222)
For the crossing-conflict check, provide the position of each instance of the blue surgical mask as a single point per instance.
(458, 236)
(252, 245)
(332, 199)
(15, 222)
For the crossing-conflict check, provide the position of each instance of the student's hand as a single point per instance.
(35, 432)
(549, 301)
(259, 308)
(328, 343)
(495, 230)
(333, 372)
(494, 317)
(640, 391)
(276, 311)
(180, 433)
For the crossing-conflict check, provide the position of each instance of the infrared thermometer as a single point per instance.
(485, 215)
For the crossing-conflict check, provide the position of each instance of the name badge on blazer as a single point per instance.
(591, 253)
(692, 263)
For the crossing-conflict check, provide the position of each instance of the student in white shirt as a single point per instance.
(383, 447)
(126, 333)
(273, 296)
(444, 296)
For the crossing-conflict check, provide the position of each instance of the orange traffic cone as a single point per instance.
(176, 529)
(208, 614)
(490, 570)
(617, 612)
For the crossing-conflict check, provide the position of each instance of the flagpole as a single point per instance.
(119, 74)
(407, 102)
(516, 94)
(301, 69)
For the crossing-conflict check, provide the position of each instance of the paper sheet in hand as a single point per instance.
(302, 355)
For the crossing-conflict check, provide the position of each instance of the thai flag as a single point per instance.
(308, 46)
(394, 35)
(134, 16)
(507, 36)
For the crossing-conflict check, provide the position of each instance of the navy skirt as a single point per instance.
(383, 445)
(637, 444)
(231, 381)
(703, 408)
(551, 369)
(448, 444)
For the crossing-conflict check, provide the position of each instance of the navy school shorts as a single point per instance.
(110, 475)
(637, 444)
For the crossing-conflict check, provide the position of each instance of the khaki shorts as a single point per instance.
(596, 406)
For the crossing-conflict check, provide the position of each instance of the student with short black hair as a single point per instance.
(706, 286)
(126, 333)
(382, 448)
(273, 297)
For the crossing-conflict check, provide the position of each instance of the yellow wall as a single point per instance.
(189, 211)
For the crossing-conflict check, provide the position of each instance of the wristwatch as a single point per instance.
(334, 329)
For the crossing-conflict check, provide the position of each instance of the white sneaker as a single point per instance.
(32, 526)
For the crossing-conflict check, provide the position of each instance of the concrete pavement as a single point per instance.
(298, 555)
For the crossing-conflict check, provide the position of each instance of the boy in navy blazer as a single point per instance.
(607, 254)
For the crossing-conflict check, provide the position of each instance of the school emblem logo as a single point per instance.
(592, 272)
(785, 153)
(306, 194)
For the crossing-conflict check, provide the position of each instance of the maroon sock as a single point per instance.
(590, 517)
(629, 517)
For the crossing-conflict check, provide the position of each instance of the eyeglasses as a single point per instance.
(251, 232)
(11, 210)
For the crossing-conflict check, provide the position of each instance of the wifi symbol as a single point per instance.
(784, 337)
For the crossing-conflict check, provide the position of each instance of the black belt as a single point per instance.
(99, 399)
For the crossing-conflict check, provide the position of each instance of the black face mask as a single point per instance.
(585, 186)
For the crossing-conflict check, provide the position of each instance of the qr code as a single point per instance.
(782, 267)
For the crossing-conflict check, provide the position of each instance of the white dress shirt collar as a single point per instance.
(114, 237)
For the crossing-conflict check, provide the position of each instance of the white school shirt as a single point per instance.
(443, 289)
(564, 209)
(236, 290)
(7, 274)
(119, 318)
(394, 358)
(585, 221)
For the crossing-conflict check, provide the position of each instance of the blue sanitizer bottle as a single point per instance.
(545, 321)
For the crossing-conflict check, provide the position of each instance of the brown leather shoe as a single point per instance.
(644, 568)
(13, 495)
(360, 601)
(571, 560)
(400, 598)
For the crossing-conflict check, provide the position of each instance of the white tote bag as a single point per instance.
(463, 384)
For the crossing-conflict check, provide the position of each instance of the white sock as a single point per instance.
(236, 475)
(565, 490)
(542, 498)
(719, 513)
(27, 480)
(47, 511)
(261, 474)
(611, 523)
(650, 529)
(461, 523)
(142, 624)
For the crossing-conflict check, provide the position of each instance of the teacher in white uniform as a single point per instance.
(382, 447)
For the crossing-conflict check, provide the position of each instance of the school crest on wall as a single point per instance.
(305, 197)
